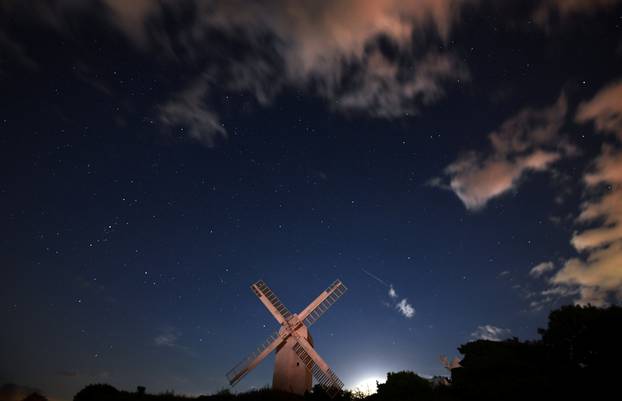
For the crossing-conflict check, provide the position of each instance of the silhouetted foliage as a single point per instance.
(256, 395)
(500, 370)
(98, 392)
(584, 344)
(15, 392)
(585, 338)
(576, 358)
(319, 394)
(404, 386)
(35, 397)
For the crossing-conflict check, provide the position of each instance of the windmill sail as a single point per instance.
(247, 364)
(271, 301)
(324, 375)
(322, 303)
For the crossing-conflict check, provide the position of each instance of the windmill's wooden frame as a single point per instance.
(296, 360)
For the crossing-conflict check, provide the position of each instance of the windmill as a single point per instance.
(296, 361)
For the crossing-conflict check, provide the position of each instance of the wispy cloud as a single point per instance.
(604, 110)
(527, 142)
(381, 88)
(541, 268)
(547, 9)
(365, 57)
(190, 108)
(595, 275)
(598, 274)
(490, 333)
(167, 337)
(403, 306)
(13, 50)
(336, 50)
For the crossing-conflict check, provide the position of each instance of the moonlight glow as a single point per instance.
(368, 385)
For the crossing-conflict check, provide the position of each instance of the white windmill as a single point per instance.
(296, 360)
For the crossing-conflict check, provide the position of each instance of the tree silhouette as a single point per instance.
(98, 392)
(500, 370)
(35, 397)
(584, 337)
(404, 386)
(584, 346)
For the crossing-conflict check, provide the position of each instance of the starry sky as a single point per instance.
(457, 164)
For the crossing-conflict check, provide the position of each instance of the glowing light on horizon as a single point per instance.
(368, 385)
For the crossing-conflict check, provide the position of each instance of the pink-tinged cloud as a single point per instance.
(598, 274)
(329, 48)
(546, 9)
(527, 142)
(317, 36)
(381, 89)
(132, 16)
(605, 110)
(476, 182)
(541, 268)
(187, 109)
(490, 333)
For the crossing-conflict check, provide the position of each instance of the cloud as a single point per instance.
(335, 50)
(188, 108)
(527, 142)
(132, 17)
(167, 338)
(605, 110)
(392, 292)
(13, 50)
(597, 273)
(546, 9)
(380, 58)
(490, 333)
(475, 180)
(405, 308)
(317, 37)
(607, 170)
(541, 268)
(383, 88)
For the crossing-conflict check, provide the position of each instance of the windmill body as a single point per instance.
(296, 359)
(290, 374)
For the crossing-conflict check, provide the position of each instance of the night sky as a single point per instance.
(457, 164)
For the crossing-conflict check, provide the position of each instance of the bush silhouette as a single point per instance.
(35, 397)
(576, 358)
(500, 370)
(98, 392)
(404, 386)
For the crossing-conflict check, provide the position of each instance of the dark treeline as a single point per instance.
(577, 357)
